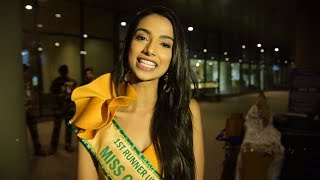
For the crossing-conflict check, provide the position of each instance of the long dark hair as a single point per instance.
(171, 129)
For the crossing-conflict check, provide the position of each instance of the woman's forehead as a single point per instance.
(155, 23)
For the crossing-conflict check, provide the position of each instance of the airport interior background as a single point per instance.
(236, 48)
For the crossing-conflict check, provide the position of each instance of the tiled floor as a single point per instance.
(62, 165)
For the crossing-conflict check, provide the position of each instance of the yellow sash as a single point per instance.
(117, 156)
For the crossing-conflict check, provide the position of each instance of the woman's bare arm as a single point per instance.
(197, 140)
(86, 165)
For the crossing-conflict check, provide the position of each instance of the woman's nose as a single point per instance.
(149, 49)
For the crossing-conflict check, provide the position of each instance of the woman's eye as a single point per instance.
(141, 38)
(166, 45)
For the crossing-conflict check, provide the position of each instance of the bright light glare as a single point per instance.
(190, 28)
(57, 15)
(83, 52)
(28, 7)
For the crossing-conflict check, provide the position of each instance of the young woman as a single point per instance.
(140, 121)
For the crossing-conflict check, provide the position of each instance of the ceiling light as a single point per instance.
(190, 28)
(57, 44)
(40, 49)
(205, 50)
(85, 35)
(262, 50)
(57, 15)
(123, 23)
(225, 53)
(259, 45)
(243, 46)
(28, 7)
(39, 25)
(276, 49)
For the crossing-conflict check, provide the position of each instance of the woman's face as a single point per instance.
(150, 51)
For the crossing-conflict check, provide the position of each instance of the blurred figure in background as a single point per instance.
(88, 76)
(62, 88)
(261, 137)
(30, 102)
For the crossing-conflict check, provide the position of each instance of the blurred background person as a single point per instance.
(261, 138)
(30, 109)
(62, 87)
(88, 76)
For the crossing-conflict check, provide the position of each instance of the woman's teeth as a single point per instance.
(147, 63)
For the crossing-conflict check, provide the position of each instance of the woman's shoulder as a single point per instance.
(91, 102)
(96, 104)
(194, 105)
(195, 109)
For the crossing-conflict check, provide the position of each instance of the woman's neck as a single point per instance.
(147, 92)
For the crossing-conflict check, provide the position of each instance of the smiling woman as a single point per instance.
(140, 121)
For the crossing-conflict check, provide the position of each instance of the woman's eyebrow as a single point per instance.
(148, 32)
(144, 30)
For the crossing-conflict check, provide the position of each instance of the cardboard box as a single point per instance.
(255, 165)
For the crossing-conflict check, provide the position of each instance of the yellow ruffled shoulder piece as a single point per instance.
(96, 104)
